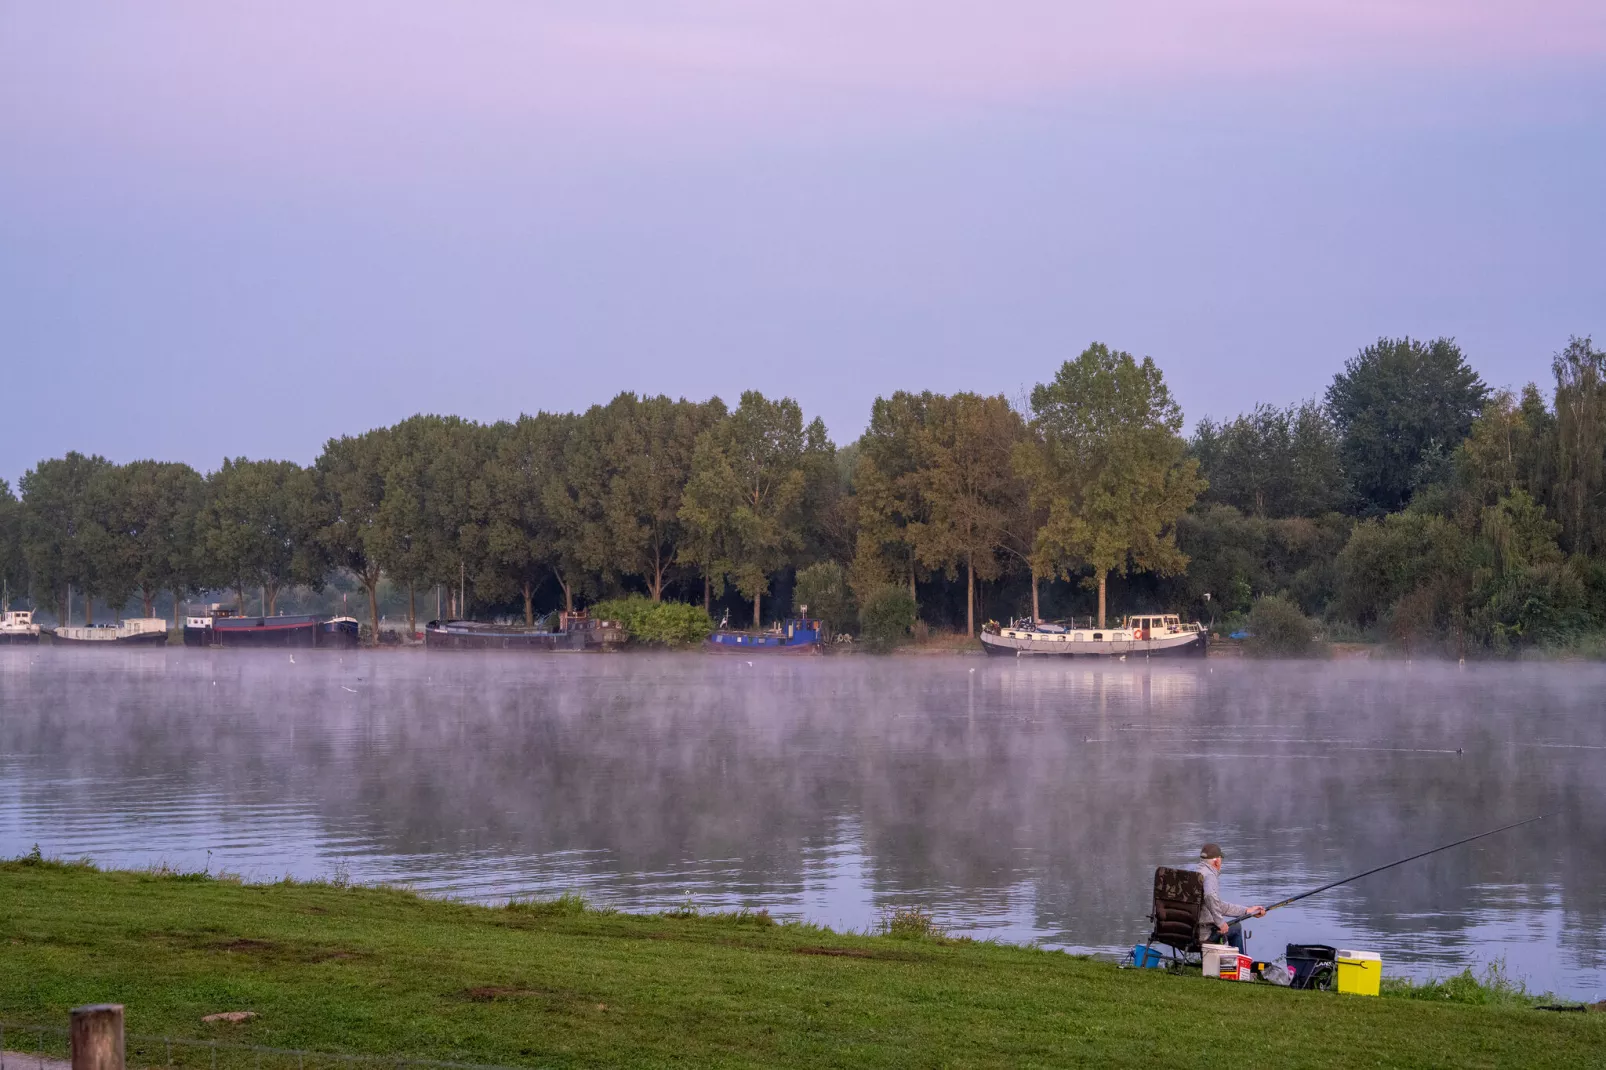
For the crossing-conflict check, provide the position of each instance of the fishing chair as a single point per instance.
(1178, 902)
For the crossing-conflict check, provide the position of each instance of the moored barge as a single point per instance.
(135, 631)
(218, 627)
(1149, 635)
(575, 633)
(797, 635)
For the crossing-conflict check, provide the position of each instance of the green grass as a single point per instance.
(366, 970)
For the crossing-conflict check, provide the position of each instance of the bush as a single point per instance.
(887, 616)
(670, 624)
(1278, 629)
(824, 589)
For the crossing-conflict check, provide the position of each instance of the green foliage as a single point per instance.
(1273, 462)
(13, 565)
(886, 617)
(1111, 469)
(671, 624)
(1279, 630)
(750, 477)
(1401, 406)
(1494, 987)
(823, 587)
(970, 488)
(259, 527)
(350, 475)
(57, 530)
(1580, 492)
(910, 923)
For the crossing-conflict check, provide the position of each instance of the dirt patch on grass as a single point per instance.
(855, 953)
(249, 947)
(489, 993)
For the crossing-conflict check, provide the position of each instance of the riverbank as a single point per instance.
(386, 972)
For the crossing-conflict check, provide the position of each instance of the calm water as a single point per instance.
(1021, 800)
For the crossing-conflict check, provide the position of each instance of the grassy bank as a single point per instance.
(555, 984)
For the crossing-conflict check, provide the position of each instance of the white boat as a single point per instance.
(17, 626)
(135, 631)
(1146, 635)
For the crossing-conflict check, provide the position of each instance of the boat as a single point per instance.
(576, 632)
(1148, 635)
(135, 631)
(218, 626)
(17, 627)
(795, 635)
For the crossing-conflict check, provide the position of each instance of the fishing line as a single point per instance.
(1391, 865)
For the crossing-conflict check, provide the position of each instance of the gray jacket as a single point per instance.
(1216, 909)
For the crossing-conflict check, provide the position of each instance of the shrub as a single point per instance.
(823, 587)
(887, 616)
(1278, 629)
(910, 923)
(668, 624)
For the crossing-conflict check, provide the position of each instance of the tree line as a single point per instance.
(1409, 500)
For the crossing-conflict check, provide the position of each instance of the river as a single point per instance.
(1019, 800)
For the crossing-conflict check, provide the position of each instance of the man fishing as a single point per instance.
(1215, 924)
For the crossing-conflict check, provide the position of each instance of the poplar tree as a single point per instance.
(259, 528)
(1580, 371)
(648, 446)
(969, 486)
(350, 476)
(749, 479)
(54, 525)
(13, 568)
(1111, 468)
(887, 492)
(161, 503)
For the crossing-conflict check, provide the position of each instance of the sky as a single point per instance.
(238, 229)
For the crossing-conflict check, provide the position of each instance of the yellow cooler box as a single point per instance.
(1360, 973)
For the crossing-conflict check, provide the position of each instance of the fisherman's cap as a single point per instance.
(1210, 850)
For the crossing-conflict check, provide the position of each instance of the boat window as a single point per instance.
(1098, 635)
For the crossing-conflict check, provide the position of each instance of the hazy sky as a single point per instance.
(231, 228)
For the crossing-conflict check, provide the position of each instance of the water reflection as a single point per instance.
(1026, 800)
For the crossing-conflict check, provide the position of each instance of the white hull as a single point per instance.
(1111, 642)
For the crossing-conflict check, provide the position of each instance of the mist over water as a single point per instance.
(1023, 800)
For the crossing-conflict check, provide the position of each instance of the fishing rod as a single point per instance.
(1391, 865)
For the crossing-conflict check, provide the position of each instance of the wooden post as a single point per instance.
(97, 1037)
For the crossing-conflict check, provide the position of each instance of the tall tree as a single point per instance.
(259, 528)
(749, 477)
(160, 504)
(55, 525)
(1399, 405)
(1510, 448)
(970, 487)
(511, 532)
(350, 476)
(887, 492)
(647, 446)
(1272, 462)
(415, 531)
(1581, 444)
(13, 566)
(1112, 469)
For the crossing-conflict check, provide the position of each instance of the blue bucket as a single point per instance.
(1147, 958)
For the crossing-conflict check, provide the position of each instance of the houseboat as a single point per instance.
(135, 631)
(796, 635)
(576, 632)
(218, 626)
(17, 627)
(1147, 635)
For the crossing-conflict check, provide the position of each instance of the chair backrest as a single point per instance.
(1178, 900)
